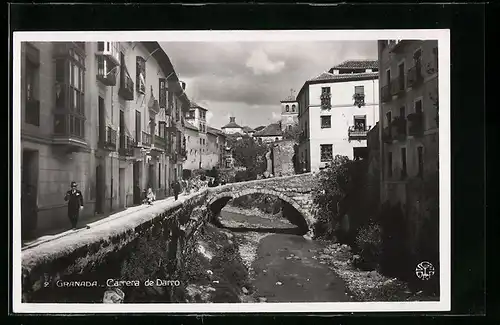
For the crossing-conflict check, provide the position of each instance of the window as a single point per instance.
(360, 153)
(287, 108)
(326, 152)
(201, 142)
(417, 58)
(140, 72)
(138, 129)
(360, 123)
(403, 163)
(420, 155)
(326, 122)
(191, 114)
(326, 98)
(418, 106)
(388, 76)
(401, 76)
(70, 71)
(32, 112)
(388, 116)
(359, 90)
(159, 175)
(163, 92)
(389, 164)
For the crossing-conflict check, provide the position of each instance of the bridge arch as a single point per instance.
(216, 203)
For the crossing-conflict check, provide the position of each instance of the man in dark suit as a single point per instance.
(75, 204)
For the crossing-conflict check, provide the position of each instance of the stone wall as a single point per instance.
(283, 152)
(96, 254)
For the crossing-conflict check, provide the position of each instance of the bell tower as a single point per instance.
(289, 111)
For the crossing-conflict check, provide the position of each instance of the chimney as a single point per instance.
(232, 120)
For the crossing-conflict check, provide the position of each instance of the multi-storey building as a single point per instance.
(100, 114)
(215, 148)
(197, 116)
(232, 127)
(336, 110)
(409, 120)
(193, 147)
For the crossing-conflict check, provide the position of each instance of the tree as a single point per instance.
(246, 153)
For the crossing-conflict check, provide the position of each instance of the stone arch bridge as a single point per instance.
(295, 191)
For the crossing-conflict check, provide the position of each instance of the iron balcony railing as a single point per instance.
(160, 142)
(106, 72)
(358, 133)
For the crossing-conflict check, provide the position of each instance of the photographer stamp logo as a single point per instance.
(424, 270)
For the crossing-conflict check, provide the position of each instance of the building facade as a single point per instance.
(215, 148)
(409, 119)
(99, 114)
(336, 110)
(193, 147)
(232, 127)
(269, 134)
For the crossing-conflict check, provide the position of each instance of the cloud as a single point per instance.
(260, 63)
(209, 116)
(248, 79)
(276, 116)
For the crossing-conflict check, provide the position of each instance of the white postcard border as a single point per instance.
(443, 37)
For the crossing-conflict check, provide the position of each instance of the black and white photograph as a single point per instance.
(231, 171)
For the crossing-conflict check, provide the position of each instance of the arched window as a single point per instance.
(287, 108)
(293, 108)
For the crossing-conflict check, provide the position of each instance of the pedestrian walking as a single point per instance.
(150, 196)
(75, 204)
(177, 188)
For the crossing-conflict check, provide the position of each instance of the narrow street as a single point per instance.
(283, 265)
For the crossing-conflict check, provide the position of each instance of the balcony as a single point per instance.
(146, 139)
(398, 86)
(126, 146)
(416, 127)
(126, 90)
(109, 50)
(69, 130)
(32, 112)
(386, 93)
(107, 141)
(160, 143)
(387, 135)
(302, 137)
(398, 125)
(414, 76)
(183, 154)
(106, 72)
(358, 133)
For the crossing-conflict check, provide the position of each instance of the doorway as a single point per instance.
(151, 176)
(121, 187)
(99, 181)
(136, 179)
(29, 193)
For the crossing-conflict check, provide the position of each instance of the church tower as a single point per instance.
(289, 112)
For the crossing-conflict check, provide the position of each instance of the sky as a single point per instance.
(248, 80)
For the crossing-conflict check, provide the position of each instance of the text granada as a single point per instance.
(71, 284)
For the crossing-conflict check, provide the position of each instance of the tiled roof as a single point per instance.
(214, 131)
(231, 125)
(248, 129)
(269, 131)
(326, 76)
(357, 64)
(194, 105)
(190, 126)
(259, 128)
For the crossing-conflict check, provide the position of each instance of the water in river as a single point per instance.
(282, 263)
